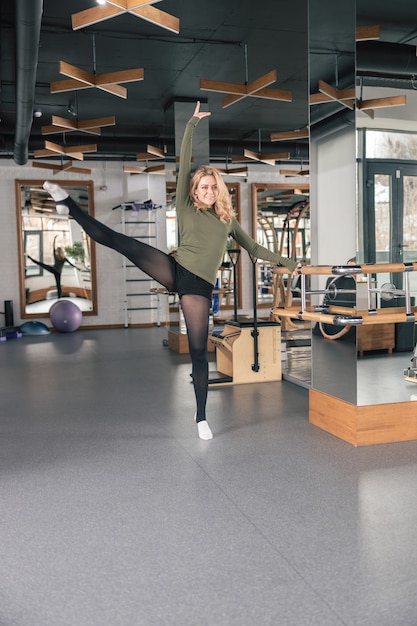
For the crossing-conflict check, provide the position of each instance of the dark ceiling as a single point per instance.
(218, 40)
(224, 40)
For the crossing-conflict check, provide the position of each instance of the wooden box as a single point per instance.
(178, 342)
(235, 352)
(375, 337)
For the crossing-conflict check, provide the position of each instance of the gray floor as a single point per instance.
(114, 513)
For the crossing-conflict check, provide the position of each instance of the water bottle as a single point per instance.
(215, 299)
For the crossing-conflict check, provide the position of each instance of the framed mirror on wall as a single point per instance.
(230, 270)
(56, 257)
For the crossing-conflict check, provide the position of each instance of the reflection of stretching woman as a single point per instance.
(205, 219)
(56, 269)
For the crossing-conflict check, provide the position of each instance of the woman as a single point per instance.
(56, 269)
(206, 220)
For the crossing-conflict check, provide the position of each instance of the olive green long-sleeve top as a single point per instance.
(203, 237)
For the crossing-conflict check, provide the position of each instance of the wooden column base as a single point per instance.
(363, 425)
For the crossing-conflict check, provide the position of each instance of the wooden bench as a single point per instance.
(235, 352)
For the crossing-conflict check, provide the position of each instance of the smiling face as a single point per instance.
(207, 191)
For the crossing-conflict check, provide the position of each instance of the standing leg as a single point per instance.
(150, 260)
(58, 284)
(196, 311)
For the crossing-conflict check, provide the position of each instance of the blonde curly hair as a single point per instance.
(223, 204)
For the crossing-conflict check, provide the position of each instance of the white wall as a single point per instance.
(121, 187)
(333, 199)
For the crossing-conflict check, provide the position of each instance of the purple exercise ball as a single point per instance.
(65, 316)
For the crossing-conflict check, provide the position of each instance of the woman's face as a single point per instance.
(207, 191)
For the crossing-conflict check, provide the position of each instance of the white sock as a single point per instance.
(204, 431)
(59, 195)
(55, 191)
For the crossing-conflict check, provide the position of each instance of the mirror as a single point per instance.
(364, 167)
(387, 183)
(56, 257)
(332, 166)
(281, 223)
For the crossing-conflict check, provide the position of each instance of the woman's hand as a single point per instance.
(296, 271)
(200, 114)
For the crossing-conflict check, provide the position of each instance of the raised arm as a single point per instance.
(198, 113)
(183, 181)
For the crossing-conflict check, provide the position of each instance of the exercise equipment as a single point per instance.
(65, 316)
(147, 205)
(9, 331)
(387, 291)
(351, 316)
(34, 328)
(8, 313)
(234, 254)
(248, 351)
(410, 373)
(286, 243)
(248, 354)
(340, 291)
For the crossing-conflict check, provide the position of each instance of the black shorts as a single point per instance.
(188, 283)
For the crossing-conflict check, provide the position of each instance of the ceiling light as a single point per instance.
(71, 109)
(141, 8)
(101, 1)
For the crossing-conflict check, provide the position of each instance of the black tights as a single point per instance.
(53, 271)
(158, 266)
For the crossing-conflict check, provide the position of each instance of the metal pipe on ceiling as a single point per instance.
(373, 58)
(384, 58)
(28, 17)
(340, 121)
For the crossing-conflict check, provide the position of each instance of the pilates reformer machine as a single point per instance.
(342, 316)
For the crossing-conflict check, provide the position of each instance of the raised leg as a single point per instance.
(53, 271)
(150, 260)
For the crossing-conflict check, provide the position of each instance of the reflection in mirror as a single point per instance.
(229, 274)
(281, 223)
(56, 257)
(332, 164)
(387, 184)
